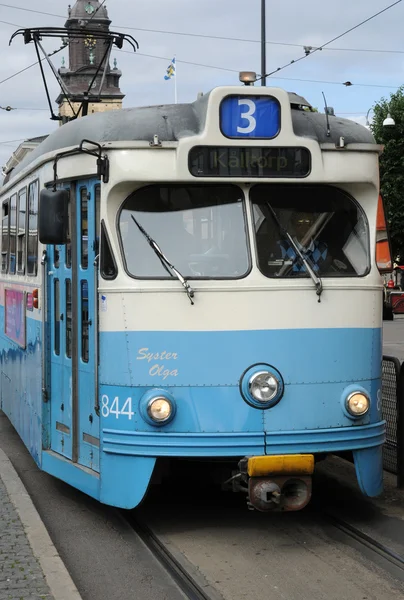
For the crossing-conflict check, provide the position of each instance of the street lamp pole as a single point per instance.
(388, 121)
(263, 44)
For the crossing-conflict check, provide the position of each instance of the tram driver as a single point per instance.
(302, 228)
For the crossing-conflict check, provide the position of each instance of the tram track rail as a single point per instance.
(186, 577)
(191, 582)
(195, 589)
(193, 585)
(377, 548)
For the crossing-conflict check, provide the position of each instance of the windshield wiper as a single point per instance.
(317, 281)
(166, 263)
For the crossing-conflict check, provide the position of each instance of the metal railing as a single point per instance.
(393, 413)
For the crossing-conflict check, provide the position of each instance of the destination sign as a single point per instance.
(235, 161)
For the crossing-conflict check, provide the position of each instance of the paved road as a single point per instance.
(20, 573)
(105, 559)
(393, 337)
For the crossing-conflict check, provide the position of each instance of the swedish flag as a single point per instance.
(170, 70)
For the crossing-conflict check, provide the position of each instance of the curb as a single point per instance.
(57, 577)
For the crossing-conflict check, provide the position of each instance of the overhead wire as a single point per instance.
(347, 84)
(217, 37)
(165, 58)
(8, 23)
(312, 51)
(332, 40)
(18, 72)
(39, 12)
(94, 13)
(208, 67)
(223, 69)
(31, 65)
(11, 141)
(10, 108)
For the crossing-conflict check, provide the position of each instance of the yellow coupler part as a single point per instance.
(286, 464)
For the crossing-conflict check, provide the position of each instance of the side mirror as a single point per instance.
(53, 216)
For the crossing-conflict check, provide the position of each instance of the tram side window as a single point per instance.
(21, 231)
(32, 254)
(84, 197)
(325, 223)
(97, 217)
(108, 267)
(5, 235)
(13, 233)
(68, 252)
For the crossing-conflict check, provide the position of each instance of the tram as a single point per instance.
(196, 281)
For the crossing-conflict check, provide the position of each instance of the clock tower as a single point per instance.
(85, 56)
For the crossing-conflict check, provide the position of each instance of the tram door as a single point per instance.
(72, 285)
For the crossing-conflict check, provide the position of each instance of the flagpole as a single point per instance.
(175, 80)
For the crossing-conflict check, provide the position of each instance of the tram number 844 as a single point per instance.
(109, 407)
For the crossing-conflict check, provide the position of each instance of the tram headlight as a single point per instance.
(160, 409)
(357, 404)
(157, 407)
(263, 386)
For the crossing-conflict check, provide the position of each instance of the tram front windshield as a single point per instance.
(324, 223)
(201, 230)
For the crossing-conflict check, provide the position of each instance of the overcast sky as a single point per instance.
(309, 23)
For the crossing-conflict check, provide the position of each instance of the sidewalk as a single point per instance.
(30, 566)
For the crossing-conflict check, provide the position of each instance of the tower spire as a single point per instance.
(85, 57)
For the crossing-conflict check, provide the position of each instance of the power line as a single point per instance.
(18, 72)
(9, 108)
(375, 51)
(185, 62)
(12, 141)
(232, 39)
(347, 84)
(100, 6)
(8, 145)
(12, 24)
(218, 37)
(31, 65)
(333, 39)
(236, 70)
(165, 58)
(39, 12)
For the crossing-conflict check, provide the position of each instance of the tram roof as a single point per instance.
(172, 122)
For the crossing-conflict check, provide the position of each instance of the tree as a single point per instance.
(392, 166)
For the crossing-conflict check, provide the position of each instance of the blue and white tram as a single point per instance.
(200, 281)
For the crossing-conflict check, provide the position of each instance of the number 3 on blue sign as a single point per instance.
(250, 116)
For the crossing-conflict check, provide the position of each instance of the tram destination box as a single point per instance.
(251, 161)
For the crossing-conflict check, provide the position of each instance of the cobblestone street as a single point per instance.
(20, 573)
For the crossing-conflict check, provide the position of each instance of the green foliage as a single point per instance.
(392, 165)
